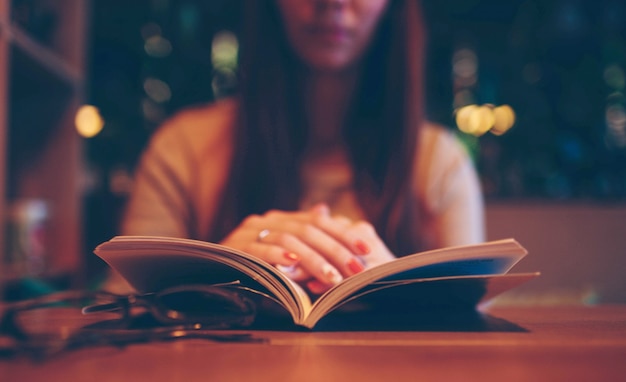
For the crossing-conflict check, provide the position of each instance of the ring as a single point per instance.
(262, 235)
(289, 269)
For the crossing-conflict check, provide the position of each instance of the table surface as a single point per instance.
(558, 343)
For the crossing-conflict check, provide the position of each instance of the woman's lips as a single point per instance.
(331, 34)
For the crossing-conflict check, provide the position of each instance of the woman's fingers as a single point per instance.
(306, 245)
(283, 244)
(339, 228)
(309, 257)
(379, 252)
(273, 254)
(317, 287)
(312, 236)
(295, 272)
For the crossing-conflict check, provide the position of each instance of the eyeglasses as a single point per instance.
(63, 321)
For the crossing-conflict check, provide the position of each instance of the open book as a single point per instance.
(455, 277)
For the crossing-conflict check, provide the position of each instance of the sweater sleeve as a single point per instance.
(159, 202)
(181, 174)
(450, 190)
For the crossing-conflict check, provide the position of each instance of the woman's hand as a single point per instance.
(311, 246)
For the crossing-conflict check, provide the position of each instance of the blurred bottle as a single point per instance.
(25, 254)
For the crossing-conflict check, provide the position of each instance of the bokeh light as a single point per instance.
(504, 119)
(88, 121)
(616, 125)
(158, 46)
(477, 120)
(157, 90)
(224, 51)
(224, 57)
(465, 67)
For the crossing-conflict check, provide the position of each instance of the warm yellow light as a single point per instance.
(224, 50)
(504, 119)
(462, 118)
(475, 120)
(481, 120)
(88, 121)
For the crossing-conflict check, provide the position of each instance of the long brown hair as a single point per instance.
(381, 133)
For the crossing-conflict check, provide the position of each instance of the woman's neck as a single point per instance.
(327, 97)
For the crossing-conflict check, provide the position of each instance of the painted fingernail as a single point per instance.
(332, 274)
(355, 266)
(316, 287)
(321, 208)
(291, 256)
(363, 248)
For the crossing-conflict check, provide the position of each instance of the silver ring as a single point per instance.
(288, 269)
(262, 235)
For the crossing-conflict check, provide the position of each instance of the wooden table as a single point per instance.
(552, 344)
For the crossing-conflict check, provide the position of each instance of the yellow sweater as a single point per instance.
(178, 182)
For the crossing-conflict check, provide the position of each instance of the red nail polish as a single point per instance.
(355, 266)
(316, 287)
(332, 274)
(291, 256)
(363, 248)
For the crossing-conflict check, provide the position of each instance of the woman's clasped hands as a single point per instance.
(312, 247)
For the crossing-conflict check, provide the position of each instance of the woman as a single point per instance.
(323, 164)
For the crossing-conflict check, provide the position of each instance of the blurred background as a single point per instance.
(533, 88)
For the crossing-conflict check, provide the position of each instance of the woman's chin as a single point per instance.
(329, 63)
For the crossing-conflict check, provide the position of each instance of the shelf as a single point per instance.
(41, 86)
(38, 100)
(47, 58)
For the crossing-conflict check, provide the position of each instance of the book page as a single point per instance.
(414, 299)
(490, 258)
(154, 263)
